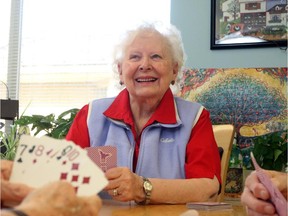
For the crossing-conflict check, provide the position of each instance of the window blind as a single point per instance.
(66, 46)
(10, 24)
(14, 53)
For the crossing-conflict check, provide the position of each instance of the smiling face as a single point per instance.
(147, 68)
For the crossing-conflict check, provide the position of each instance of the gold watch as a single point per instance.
(147, 188)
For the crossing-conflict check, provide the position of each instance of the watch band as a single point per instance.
(147, 188)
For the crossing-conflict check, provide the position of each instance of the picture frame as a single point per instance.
(248, 24)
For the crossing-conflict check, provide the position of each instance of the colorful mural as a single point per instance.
(252, 99)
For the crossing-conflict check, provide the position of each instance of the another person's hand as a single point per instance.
(124, 185)
(11, 192)
(256, 197)
(59, 198)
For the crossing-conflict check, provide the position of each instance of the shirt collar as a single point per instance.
(120, 109)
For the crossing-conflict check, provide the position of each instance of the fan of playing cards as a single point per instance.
(42, 160)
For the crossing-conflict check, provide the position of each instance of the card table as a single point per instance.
(113, 208)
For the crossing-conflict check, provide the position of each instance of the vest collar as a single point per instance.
(166, 112)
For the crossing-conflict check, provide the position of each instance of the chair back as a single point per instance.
(224, 136)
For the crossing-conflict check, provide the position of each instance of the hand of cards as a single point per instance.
(276, 197)
(42, 160)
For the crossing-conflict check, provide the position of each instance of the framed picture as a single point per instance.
(248, 24)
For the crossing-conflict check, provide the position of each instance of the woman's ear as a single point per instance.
(175, 69)
(119, 67)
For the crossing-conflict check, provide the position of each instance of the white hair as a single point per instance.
(170, 33)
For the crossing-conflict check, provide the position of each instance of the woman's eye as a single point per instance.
(156, 56)
(134, 57)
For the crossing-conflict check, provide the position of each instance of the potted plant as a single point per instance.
(233, 187)
(270, 150)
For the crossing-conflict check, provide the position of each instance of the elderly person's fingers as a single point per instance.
(254, 205)
(58, 198)
(124, 185)
(255, 197)
(91, 205)
(251, 212)
(53, 192)
(13, 193)
(258, 189)
(280, 180)
(6, 169)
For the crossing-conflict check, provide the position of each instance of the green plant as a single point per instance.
(48, 125)
(9, 142)
(235, 157)
(270, 150)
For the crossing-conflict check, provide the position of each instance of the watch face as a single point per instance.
(147, 186)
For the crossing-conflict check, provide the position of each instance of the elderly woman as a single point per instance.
(166, 151)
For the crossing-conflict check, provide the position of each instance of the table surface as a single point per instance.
(110, 208)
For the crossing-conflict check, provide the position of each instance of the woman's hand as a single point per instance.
(124, 185)
(59, 198)
(255, 196)
(11, 192)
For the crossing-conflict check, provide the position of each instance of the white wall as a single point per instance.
(192, 18)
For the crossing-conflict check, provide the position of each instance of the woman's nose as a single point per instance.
(145, 64)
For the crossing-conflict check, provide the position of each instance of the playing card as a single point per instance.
(73, 164)
(277, 198)
(42, 160)
(31, 153)
(104, 156)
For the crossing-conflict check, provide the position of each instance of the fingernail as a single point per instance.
(269, 209)
(263, 194)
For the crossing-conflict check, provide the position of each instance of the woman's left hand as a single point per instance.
(124, 185)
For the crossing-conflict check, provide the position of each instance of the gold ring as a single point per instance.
(115, 192)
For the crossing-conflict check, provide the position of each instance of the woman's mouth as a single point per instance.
(146, 80)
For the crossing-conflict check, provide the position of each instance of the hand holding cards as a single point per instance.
(42, 160)
(276, 197)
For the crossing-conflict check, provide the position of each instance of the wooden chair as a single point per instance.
(224, 136)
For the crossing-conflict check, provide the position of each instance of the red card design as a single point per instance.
(104, 156)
